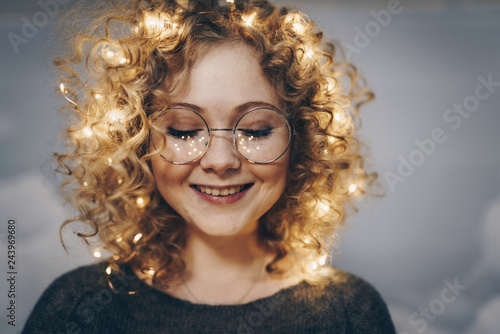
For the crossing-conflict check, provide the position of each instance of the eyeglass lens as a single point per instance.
(261, 135)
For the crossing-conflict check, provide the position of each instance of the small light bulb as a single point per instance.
(119, 238)
(230, 1)
(116, 257)
(331, 84)
(114, 115)
(98, 96)
(110, 54)
(87, 131)
(120, 180)
(110, 161)
(322, 260)
(308, 53)
(108, 270)
(338, 117)
(63, 89)
(156, 23)
(299, 28)
(322, 208)
(137, 237)
(313, 265)
(352, 188)
(140, 202)
(248, 20)
(97, 254)
(85, 184)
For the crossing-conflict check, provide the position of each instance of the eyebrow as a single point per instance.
(238, 109)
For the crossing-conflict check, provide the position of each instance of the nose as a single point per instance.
(221, 156)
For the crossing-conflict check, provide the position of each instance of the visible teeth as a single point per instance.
(220, 192)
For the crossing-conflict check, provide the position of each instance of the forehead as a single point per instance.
(224, 77)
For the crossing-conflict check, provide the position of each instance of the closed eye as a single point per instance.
(182, 134)
(256, 133)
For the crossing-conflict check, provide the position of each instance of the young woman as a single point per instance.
(211, 157)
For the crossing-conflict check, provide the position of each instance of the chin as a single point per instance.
(224, 229)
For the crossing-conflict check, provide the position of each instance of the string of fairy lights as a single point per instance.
(160, 25)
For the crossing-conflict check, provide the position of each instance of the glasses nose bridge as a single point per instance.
(212, 131)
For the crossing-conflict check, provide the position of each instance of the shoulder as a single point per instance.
(76, 282)
(352, 286)
(364, 308)
(63, 295)
(91, 275)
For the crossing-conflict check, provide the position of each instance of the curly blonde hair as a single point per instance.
(113, 76)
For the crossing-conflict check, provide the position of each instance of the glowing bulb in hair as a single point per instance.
(140, 202)
(97, 253)
(248, 19)
(338, 116)
(308, 53)
(150, 271)
(352, 188)
(299, 28)
(154, 22)
(87, 131)
(322, 208)
(157, 24)
(108, 270)
(63, 89)
(137, 237)
(114, 115)
(322, 260)
(331, 84)
(313, 265)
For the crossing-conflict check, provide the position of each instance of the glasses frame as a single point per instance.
(291, 132)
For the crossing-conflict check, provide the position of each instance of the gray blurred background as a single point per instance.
(430, 246)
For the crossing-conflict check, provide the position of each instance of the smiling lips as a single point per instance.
(221, 191)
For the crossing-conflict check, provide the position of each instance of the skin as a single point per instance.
(222, 253)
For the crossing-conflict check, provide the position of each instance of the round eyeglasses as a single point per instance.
(261, 135)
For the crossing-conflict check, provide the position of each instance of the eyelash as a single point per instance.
(257, 133)
(182, 133)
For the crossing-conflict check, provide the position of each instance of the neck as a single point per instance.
(226, 258)
(226, 270)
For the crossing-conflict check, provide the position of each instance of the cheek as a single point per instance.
(167, 176)
(274, 176)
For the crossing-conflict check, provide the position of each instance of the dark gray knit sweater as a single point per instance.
(81, 301)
